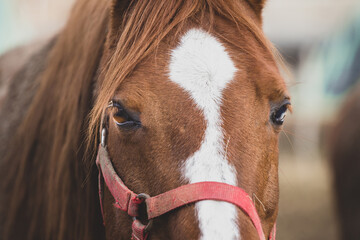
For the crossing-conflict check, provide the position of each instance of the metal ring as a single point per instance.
(103, 137)
(144, 196)
(103, 130)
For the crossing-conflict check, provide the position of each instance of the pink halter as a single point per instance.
(128, 201)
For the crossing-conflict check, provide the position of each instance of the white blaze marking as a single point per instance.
(201, 65)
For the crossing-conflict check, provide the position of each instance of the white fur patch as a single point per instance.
(201, 65)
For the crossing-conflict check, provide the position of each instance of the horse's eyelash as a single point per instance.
(116, 104)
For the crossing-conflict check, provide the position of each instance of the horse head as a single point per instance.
(195, 96)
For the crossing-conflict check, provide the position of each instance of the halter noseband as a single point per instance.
(128, 201)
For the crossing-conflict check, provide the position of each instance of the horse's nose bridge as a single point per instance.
(203, 68)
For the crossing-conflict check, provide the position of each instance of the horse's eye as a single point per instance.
(279, 114)
(120, 117)
(124, 119)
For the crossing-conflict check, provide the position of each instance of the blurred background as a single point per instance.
(320, 40)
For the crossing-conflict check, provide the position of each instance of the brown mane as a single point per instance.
(46, 174)
(49, 199)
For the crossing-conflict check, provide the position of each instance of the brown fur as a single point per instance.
(17, 98)
(46, 175)
(48, 195)
(345, 160)
(11, 63)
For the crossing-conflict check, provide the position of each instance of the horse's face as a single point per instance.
(199, 109)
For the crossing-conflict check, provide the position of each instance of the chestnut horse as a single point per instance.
(195, 96)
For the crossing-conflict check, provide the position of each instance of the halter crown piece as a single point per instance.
(128, 201)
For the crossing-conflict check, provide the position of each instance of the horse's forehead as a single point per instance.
(201, 65)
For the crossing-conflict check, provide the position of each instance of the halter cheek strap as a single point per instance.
(128, 201)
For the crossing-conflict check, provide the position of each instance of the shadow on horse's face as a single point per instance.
(199, 109)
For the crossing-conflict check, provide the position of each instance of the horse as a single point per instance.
(165, 99)
(344, 157)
